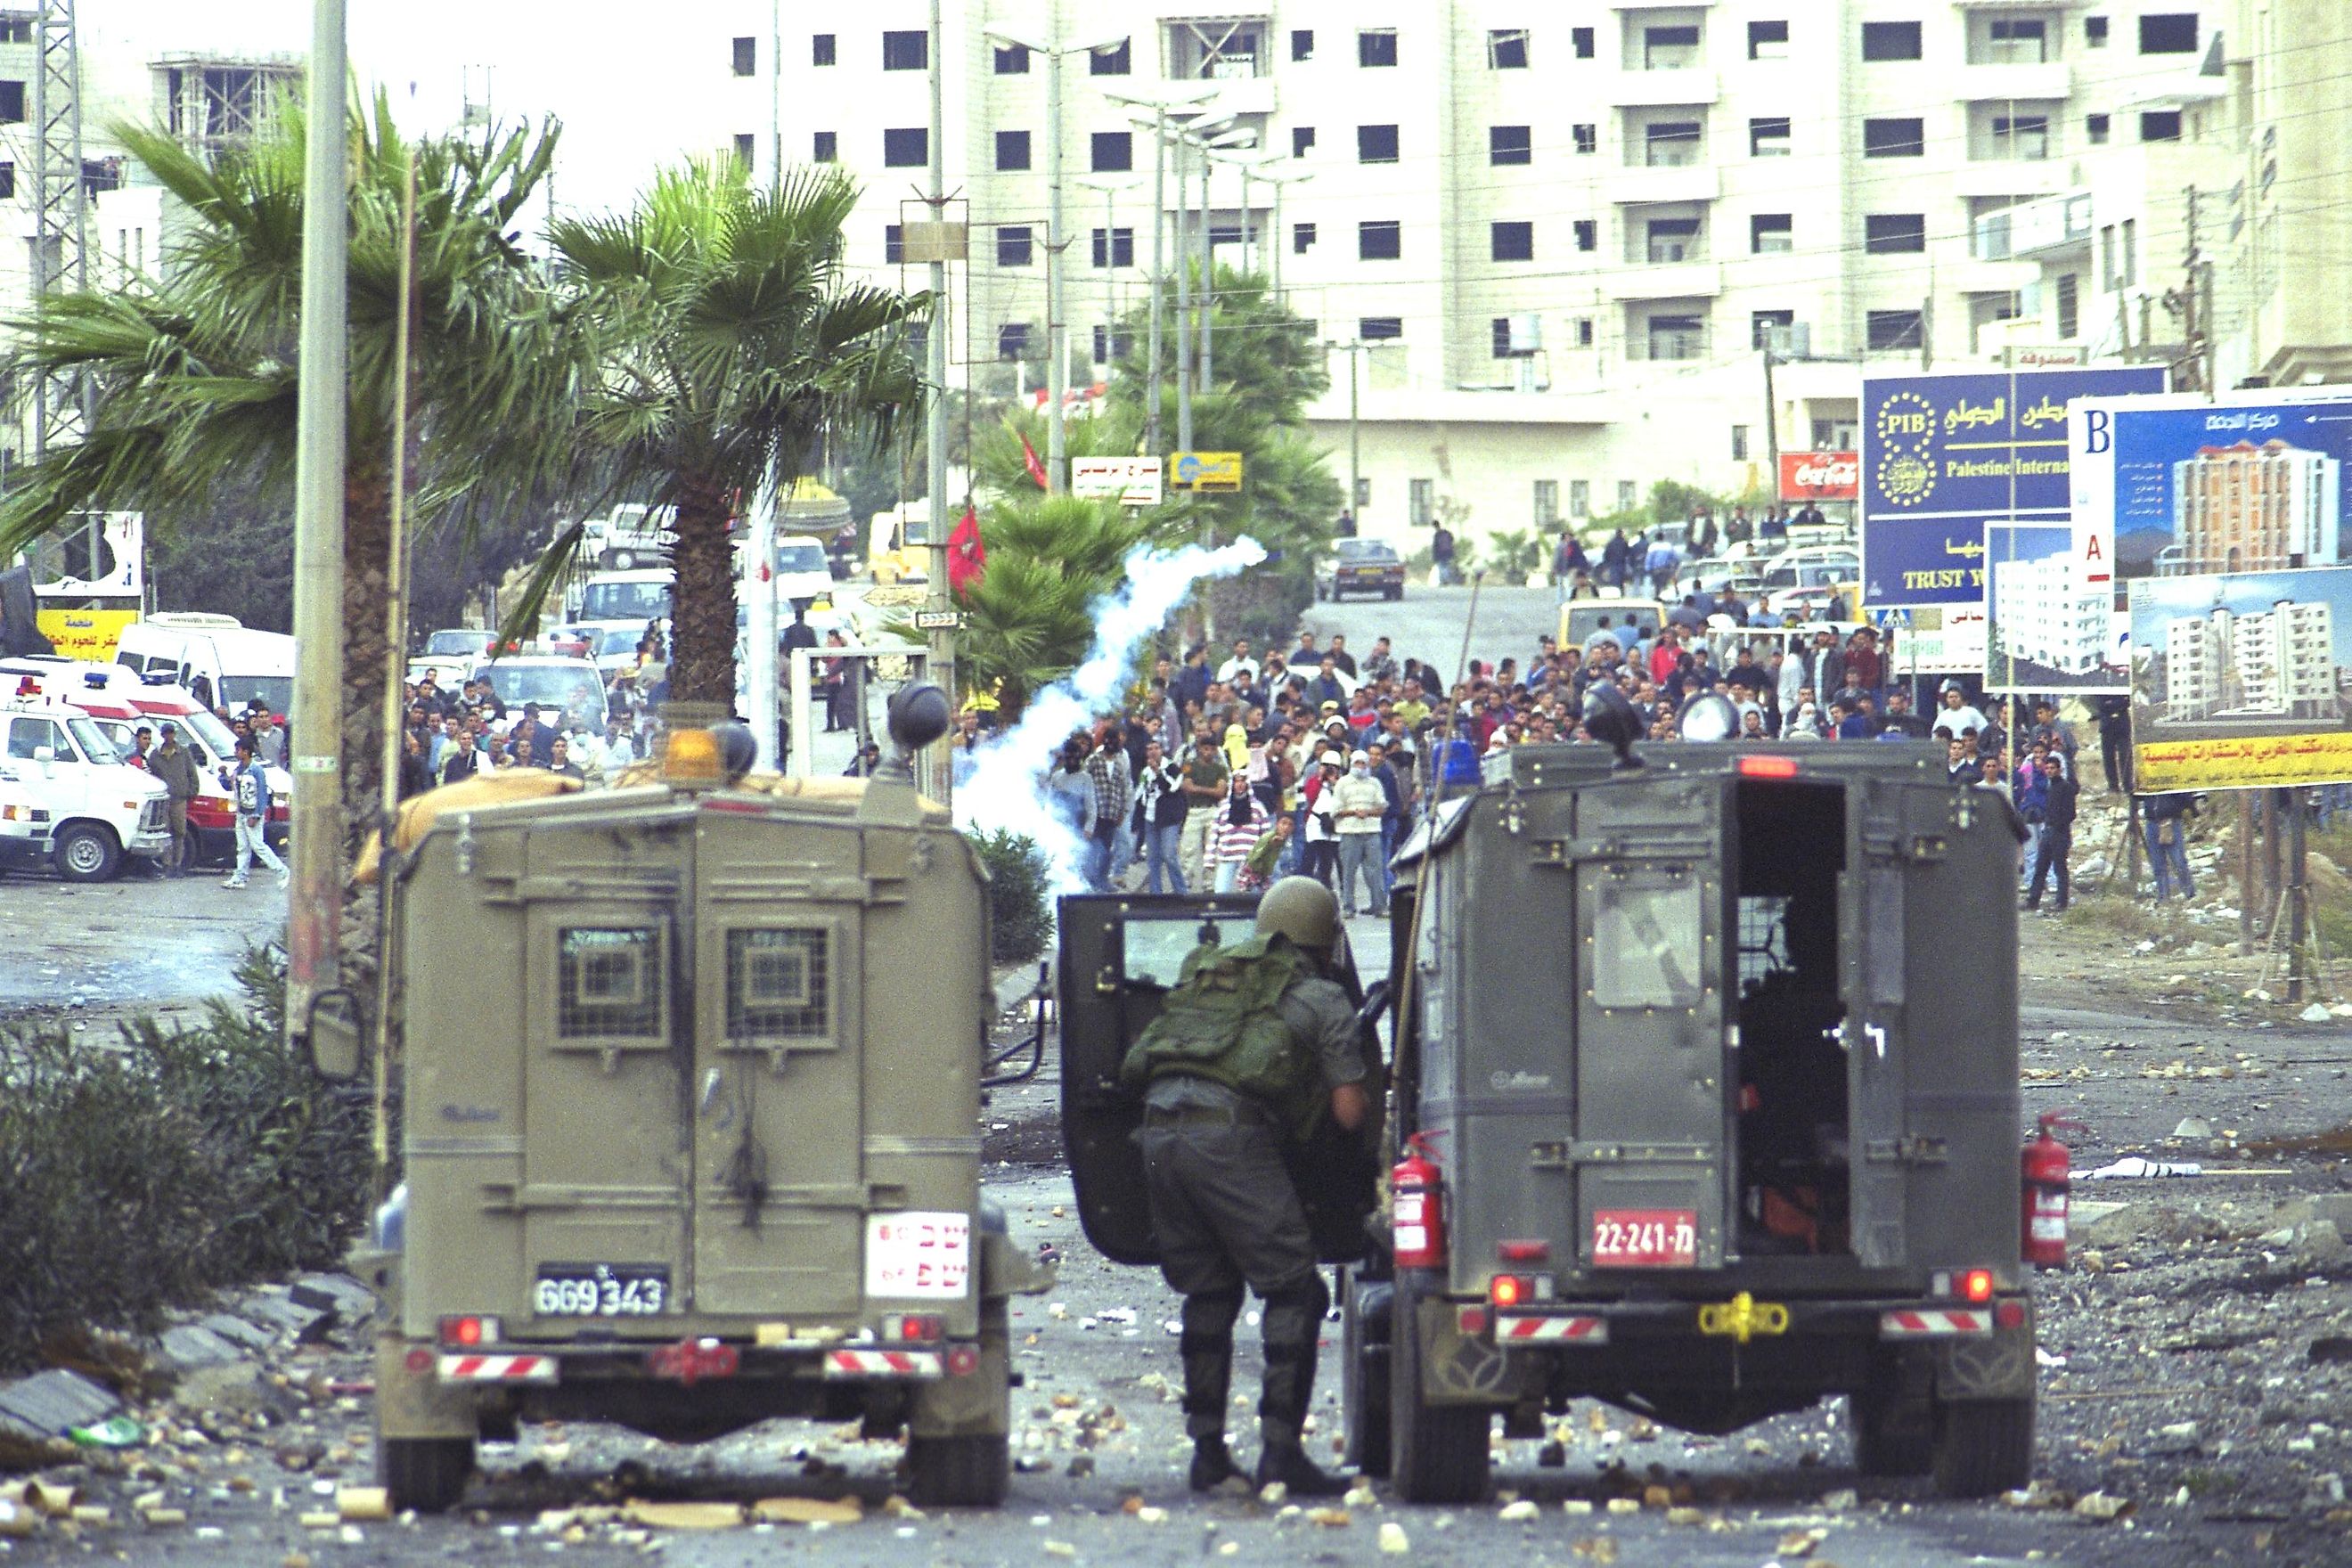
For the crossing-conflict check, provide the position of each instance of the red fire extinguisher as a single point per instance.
(2048, 1182)
(1417, 1207)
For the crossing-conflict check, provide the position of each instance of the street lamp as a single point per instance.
(1057, 325)
(1181, 102)
(1209, 146)
(1279, 179)
(1110, 190)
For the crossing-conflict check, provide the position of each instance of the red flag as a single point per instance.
(1036, 468)
(967, 556)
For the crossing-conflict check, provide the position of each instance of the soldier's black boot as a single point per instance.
(1207, 1349)
(1294, 1320)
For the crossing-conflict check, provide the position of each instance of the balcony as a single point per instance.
(2010, 178)
(1692, 182)
(1699, 279)
(1977, 276)
(1661, 89)
(2022, 80)
(1239, 95)
(2033, 230)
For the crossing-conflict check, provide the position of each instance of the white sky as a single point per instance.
(635, 85)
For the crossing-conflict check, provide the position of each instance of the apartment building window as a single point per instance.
(2021, 136)
(1677, 337)
(2129, 273)
(1380, 329)
(17, 29)
(1013, 149)
(1512, 241)
(1423, 503)
(747, 57)
(1013, 246)
(1118, 61)
(1626, 493)
(907, 51)
(1763, 324)
(1230, 234)
(1013, 341)
(1890, 40)
(821, 50)
(1376, 143)
(1767, 138)
(1381, 239)
(1302, 139)
(2173, 33)
(894, 245)
(12, 104)
(2095, 130)
(1672, 239)
(1740, 443)
(1112, 345)
(1579, 498)
(1767, 40)
(1506, 49)
(1113, 247)
(2094, 32)
(1588, 234)
(8, 180)
(1772, 234)
(2156, 125)
(1498, 338)
(1376, 46)
(2070, 313)
(1669, 49)
(1581, 331)
(1547, 500)
(2108, 255)
(1114, 151)
(1893, 138)
(1895, 234)
(906, 147)
(1302, 43)
(1363, 494)
(746, 148)
(1587, 138)
(1672, 143)
(1580, 40)
(1013, 60)
(2015, 41)
(1834, 435)
(1302, 238)
(1888, 330)
(1510, 144)
(825, 147)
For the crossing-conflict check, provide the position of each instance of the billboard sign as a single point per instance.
(1944, 455)
(2242, 680)
(2049, 612)
(1820, 476)
(1934, 642)
(2255, 482)
(1208, 470)
(1129, 481)
(89, 636)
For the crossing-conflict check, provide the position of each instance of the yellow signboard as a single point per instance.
(2255, 762)
(86, 635)
(1206, 471)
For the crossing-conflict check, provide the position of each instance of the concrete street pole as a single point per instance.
(1057, 325)
(316, 850)
(1183, 298)
(940, 779)
(760, 631)
(1208, 278)
(1159, 275)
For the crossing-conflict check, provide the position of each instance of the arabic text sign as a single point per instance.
(89, 636)
(2239, 678)
(1820, 476)
(1129, 481)
(1943, 455)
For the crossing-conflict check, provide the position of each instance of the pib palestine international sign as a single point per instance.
(1944, 455)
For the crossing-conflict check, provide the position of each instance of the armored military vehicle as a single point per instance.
(1704, 1105)
(685, 1147)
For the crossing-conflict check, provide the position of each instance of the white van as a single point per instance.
(68, 800)
(222, 662)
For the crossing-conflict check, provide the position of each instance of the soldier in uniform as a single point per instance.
(1256, 1046)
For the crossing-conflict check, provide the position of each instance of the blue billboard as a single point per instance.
(1944, 455)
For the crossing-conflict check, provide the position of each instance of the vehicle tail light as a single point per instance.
(418, 1360)
(914, 1328)
(1768, 767)
(963, 1360)
(466, 1333)
(1507, 1290)
(1523, 1251)
(1976, 1285)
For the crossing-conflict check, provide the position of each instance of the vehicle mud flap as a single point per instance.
(418, 1403)
(980, 1404)
(1999, 1366)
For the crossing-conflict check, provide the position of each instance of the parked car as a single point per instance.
(1359, 567)
(223, 662)
(67, 799)
(571, 686)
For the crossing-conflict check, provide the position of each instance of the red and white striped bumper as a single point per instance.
(1935, 1323)
(883, 1364)
(498, 1368)
(1551, 1329)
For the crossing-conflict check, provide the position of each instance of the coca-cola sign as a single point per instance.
(1820, 476)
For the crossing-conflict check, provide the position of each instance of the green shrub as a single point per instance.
(138, 1178)
(1020, 911)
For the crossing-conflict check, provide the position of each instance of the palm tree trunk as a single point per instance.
(367, 645)
(702, 661)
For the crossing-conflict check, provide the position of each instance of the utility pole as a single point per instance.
(61, 216)
(1109, 190)
(1352, 349)
(1772, 420)
(1207, 279)
(1183, 299)
(942, 773)
(1058, 374)
(1282, 235)
(316, 849)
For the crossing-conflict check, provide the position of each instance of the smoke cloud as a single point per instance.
(1005, 789)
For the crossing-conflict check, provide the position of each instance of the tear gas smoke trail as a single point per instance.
(1006, 788)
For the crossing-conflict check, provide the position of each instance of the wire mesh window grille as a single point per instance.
(776, 983)
(608, 982)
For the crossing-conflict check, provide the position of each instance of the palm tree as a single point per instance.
(195, 374)
(1031, 616)
(729, 348)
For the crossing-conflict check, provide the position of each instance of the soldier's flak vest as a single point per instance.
(1223, 1022)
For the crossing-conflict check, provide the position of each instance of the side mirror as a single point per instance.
(335, 1031)
(45, 754)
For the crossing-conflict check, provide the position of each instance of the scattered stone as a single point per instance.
(1514, 1511)
(1359, 1496)
(2317, 1013)
(1596, 1549)
(1394, 1542)
(2193, 1127)
(1845, 1500)
(237, 1331)
(684, 1515)
(235, 1386)
(51, 1403)
(803, 1511)
(190, 1346)
(1801, 1542)
(1149, 1515)
(1625, 1505)
(1685, 1515)
(1330, 1518)
(342, 1298)
(368, 1505)
(2101, 1507)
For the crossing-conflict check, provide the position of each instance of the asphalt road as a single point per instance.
(88, 950)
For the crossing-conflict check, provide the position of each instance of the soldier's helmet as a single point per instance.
(1301, 908)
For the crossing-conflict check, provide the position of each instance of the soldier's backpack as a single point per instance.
(1222, 1022)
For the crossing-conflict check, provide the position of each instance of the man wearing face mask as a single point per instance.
(1359, 804)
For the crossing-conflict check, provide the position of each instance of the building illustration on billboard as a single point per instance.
(2248, 507)
(2272, 664)
(2048, 612)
